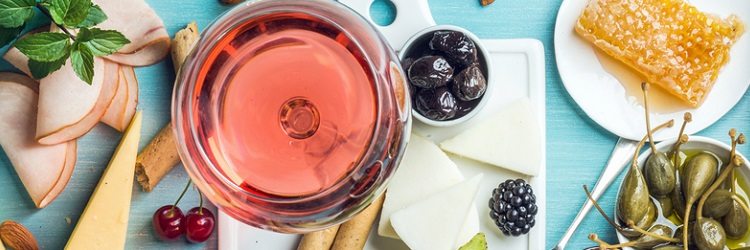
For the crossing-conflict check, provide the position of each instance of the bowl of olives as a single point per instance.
(447, 68)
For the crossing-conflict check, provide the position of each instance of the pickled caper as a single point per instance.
(700, 173)
(649, 242)
(708, 234)
(718, 204)
(646, 221)
(735, 222)
(667, 208)
(660, 174)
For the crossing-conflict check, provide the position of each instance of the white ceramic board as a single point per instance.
(518, 70)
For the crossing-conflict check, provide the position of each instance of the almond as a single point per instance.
(16, 236)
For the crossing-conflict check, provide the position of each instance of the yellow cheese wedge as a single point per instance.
(104, 222)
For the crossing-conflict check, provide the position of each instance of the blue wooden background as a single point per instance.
(577, 148)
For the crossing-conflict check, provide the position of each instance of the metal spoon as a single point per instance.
(619, 158)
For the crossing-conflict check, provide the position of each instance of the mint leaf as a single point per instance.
(101, 42)
(44, 46)
(95, 16)
(83, 62)
(68, 12)
(8, 34)
(41, 69)
(14, 13)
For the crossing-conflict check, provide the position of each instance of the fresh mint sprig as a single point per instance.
(48, 51)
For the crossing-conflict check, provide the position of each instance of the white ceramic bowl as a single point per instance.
(485, 65)
(716, 147)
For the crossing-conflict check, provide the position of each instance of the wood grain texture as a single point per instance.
(576, 147)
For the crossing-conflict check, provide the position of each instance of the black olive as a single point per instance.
(436, 104)
(469, 84)
(456, 46)
(430, 72)
(406, 63)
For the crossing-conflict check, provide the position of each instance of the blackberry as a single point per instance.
(513, 207)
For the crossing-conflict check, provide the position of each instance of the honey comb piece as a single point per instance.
(672, 43)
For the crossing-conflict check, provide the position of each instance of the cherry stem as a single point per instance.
(644, 87)
(200, 205)
(46, 13)
(182, 194)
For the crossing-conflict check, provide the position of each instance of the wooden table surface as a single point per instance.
(577, 148)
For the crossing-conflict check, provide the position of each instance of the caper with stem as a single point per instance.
(659, 170)
(718, 204)
(735, 222)
(700, 172)
(633, 200)
(656, 234)
(709, 234)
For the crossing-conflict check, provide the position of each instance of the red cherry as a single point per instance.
(199, 224)
(168, 222)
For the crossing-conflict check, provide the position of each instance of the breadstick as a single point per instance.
(160, 155)
(353, 233)
(320, 240)
(182, 44)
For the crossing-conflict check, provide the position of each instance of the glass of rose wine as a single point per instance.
(291, 115)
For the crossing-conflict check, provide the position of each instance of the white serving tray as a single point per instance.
(518, 72)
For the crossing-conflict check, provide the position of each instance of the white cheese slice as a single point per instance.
(435, 223)
(424, 170)
(104, 222)
(510, 139)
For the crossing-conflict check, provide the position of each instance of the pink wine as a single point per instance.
(296, 105)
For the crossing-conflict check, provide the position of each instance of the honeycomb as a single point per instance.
(670, 42)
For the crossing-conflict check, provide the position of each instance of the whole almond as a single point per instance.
(16, 236)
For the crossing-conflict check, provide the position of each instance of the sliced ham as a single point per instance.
(44, 170)
(18, 59)
(68, 106)
(132, 82)
(122, 108)
(149, 40)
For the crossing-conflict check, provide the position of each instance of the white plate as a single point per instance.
(518, 67)
(603, 98)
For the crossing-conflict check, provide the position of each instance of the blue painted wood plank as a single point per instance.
(577, 148)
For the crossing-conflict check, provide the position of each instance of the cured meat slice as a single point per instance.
(149, 40)
(44, 170)
(122, 108)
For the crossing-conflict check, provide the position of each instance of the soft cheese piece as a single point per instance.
(510, 139)
(104, 222)
(424, 170)
(44, 170)
(435, 223)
